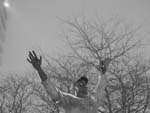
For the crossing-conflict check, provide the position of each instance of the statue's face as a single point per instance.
(81, 89)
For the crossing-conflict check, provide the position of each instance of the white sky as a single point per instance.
(34, 23)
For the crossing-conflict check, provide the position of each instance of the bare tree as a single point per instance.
(15, 96)
(94, 42)
(123, 89)
(128, 89)
(42, 103)
(2, 99)
(65, 71)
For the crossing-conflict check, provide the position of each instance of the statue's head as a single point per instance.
(80, 87)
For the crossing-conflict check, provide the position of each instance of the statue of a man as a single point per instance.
(82, 102)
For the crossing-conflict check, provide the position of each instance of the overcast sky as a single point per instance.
(34, 24)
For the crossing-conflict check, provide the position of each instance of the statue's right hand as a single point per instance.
(34, 60)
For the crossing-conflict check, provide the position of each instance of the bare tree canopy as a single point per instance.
(118, 81)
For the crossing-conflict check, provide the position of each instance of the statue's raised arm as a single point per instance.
(49, 86)
(36, 63)
(99, 90)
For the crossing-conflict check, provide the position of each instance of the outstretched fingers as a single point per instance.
(29, 60)
(34, 54)
(31, 56)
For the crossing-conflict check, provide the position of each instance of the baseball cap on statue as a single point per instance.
(83, 78)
